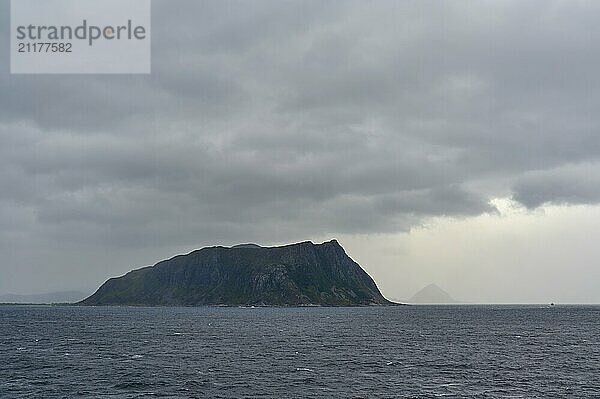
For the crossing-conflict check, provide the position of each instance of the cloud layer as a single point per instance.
(272, 121)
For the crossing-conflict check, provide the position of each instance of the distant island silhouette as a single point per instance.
(292, 275)
(47, 298)
(432, 294)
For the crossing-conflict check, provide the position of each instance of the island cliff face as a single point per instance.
(291, 275)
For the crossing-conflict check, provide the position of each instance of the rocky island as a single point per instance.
(432, 294)
(300, 274)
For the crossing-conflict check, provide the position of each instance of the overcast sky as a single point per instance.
(454, 142)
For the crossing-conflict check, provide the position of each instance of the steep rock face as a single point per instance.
(297, 274)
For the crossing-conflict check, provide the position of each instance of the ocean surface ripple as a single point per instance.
(380, 352)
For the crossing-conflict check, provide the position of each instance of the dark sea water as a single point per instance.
(390, 352)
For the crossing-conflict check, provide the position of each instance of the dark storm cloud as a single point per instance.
(270, 121)
(569, 185)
